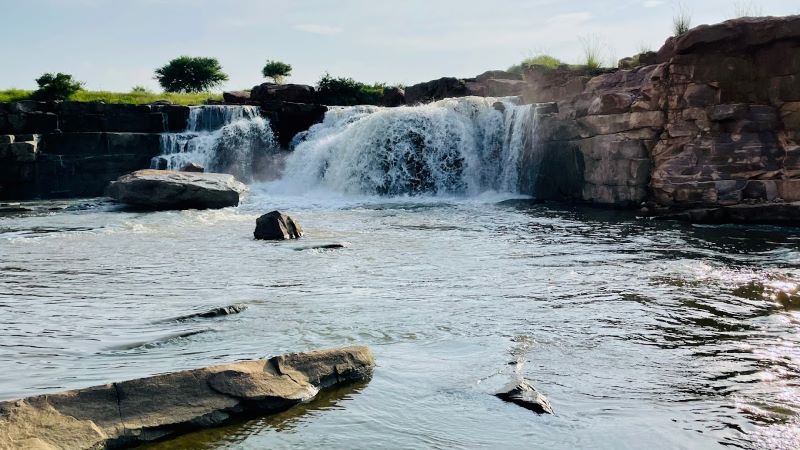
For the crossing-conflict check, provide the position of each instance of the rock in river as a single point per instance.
(276, 226)
(525, 395)
(130, 413)
(166, 189)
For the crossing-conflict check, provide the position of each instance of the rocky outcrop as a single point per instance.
(276, 226)
(714, 123)
(771, 213)
(436, 90)
(288, 119)
(294, 93)
(130, 413)
(236, 97)
(166, 189)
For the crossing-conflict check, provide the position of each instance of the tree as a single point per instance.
(277, 71)
(190, 74)
(59, 86)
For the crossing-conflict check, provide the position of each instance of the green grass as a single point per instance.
(546, 61)
(12, 95)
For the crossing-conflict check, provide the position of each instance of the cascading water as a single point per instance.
(460, 146)
(221, 138)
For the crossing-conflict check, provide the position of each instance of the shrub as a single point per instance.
(139, 89)
(190, 74)
(682, 21)
(347, 91)
(542, 60)
(277, 71)
(59, 86)
(592, 48)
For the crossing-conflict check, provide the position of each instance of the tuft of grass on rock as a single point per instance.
(542, 60)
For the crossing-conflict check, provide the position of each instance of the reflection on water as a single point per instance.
(229, 436)
(637, 331)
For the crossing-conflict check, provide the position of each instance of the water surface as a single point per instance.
(640, 333)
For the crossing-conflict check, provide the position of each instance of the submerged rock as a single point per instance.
(276, 226)
(525, 395)
(764, 213)
(165, 189)
(133, 412)
(216, 312)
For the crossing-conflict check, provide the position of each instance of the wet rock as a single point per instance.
(216, 312)
(765, 213)
(237, 97)
(525, 395)
(436, 90)
(393, 96)
(133, 412)
(322, 247)
(276, 226)
(165, 189)
(193, 167)
(288, 118)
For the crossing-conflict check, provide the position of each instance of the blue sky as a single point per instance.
(116, 44)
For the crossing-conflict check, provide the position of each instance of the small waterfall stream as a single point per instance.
(461, 146)
(221, 138)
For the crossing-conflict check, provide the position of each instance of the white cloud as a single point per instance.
(318, 29)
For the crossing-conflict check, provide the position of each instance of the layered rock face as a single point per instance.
(130, 413)
(715, 122)
(77, 148)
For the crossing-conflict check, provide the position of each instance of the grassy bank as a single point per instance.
(13, 95)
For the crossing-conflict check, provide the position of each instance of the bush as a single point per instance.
(277, 71)
(190, 74)
(348, 92)
(546, 61)
(682, 21)
(59, 86)
(139, 89)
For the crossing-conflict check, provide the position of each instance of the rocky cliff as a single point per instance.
(715, 121)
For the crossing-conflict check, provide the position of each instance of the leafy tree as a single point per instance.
(59, 86)
(347, 91)
(277, 71)
(190, 74)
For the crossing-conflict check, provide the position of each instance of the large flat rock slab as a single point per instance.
(167, 189)
(130, 413)
(783, 214)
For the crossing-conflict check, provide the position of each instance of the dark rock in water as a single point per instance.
(393, 96)
(322, 247)
(161, 163)
(766, 213)
(289, 118)
(131, 413)
(216, 312)
(165, 189)
(276, 226)
(525, 395)
(193, 167)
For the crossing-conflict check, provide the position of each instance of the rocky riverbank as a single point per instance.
(133, 412)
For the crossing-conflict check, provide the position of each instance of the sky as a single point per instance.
(116, 44)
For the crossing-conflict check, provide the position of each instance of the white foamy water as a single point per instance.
(461, 146)
(221, 138)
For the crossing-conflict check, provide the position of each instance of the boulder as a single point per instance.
(525, 395)
(276, 226)
(765, 213)
(237, 97)
(131, 413)
(296, 93)
(166, 189)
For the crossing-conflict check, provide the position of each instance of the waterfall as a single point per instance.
(458, 146)
(221, 138)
